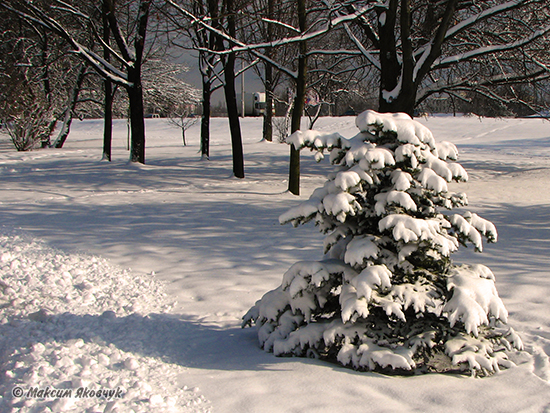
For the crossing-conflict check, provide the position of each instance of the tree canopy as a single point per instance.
(487, 56)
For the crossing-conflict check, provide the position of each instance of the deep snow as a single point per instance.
(135, 277)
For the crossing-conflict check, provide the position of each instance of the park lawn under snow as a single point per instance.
(135, 277)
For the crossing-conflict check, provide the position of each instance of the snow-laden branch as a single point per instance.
(241, 47)
(367, 26)
(70, 9)
(279, 23)
(203, 23)
(542, 65)
(424, 53)
(369, 55)
(305, 36)
(126, 51)
(341, 52)
(485, 50)
(433, 51)
(477, 85)
(485, 14)
(215, 74)
(100, 64)
(108, 47)
(67, 8)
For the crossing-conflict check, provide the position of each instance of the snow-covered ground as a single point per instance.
(134, 278)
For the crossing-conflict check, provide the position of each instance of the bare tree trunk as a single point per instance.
(206, 64)
(268, 117)
(137, 123)
(47, 87)
(398, 82)
(205, 119)
(134, 59)
(71, 106)
(398, 88)
(108, 90)
(183, 133)
(390, 71)
(231, 99)
(135, 91)
(108, 119)
(233, 116)
(299, 101)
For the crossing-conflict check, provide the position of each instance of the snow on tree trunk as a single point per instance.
(388, 296)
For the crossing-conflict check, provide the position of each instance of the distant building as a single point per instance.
(254, 104)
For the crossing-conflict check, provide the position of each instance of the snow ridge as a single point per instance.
(75, 322)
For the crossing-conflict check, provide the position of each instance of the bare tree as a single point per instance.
(182, 117)
(128, 48)
(41, 81)
(222, 26)
(203, 41)
(164, 87)
(166, 93)
(70, 106)
(295, 36)
(228, 62)
(191, 37)
(421, 48)
(265, 17)
(108, 89)
(29, 127)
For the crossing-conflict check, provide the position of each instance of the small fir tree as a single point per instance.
(388, 296)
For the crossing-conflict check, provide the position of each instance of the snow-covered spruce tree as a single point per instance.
(388, 297)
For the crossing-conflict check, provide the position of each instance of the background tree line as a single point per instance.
(488, 57)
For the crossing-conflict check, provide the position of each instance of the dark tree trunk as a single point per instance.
(134, 60)
(268, 117)
(135, 91)
(206, 62)
(137, 123)
(47, 87)
(233, 116)
(231, 98)
(45, 70)
(299, 101)
(390, 72)
(398, 81)
(205, 119)
(298, 108)
(108, 119)
(397, 86)
(108, 90)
